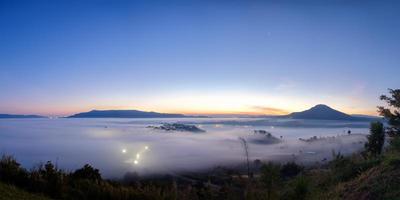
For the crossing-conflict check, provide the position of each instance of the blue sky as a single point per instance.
(272, 57)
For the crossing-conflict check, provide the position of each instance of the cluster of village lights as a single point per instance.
(138, 155)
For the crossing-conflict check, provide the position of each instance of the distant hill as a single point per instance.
(126, 114)
(324, 112)
(8, 116)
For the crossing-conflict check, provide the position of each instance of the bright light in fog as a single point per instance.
(136, 157)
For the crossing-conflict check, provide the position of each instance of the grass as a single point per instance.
(8, 192)
(381, 181)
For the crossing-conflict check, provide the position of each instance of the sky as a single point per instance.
(197, 57)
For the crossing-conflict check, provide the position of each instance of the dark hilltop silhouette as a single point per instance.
(324, 112)
(318, 112)
(12, 116)
(126, 114)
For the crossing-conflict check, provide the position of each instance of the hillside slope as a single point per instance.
(8, 192)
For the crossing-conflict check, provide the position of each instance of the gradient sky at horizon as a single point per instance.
(197, 57)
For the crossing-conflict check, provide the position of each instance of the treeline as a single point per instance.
(84, 183)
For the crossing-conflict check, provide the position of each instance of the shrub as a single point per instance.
(87, 172)
(290, 169)
(395, 144)
(376, 139)
(270, 178)
(301, 188)
(11, 172)
(48, 179)
(346, 168)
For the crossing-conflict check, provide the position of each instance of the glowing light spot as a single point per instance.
(146, 147)
(136, 162)
(123, 150)
(137, 156)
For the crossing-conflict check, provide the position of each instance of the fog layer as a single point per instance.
(117, 146)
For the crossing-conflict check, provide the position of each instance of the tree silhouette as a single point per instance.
(376, 139)
(87, 172)
(392, 112)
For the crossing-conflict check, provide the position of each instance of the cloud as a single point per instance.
(269, 110)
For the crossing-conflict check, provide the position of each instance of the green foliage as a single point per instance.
(395, 144)
(270, 178)
(301, 188)
(47, 179)
(11, 171)
(289, 181)
(392, 112)
(379, 182)
(87, 172)
(298, 188)
(86, 183)
(376, 139)
(8, 192)
(290, 170)
(343, 168)
(346, 168)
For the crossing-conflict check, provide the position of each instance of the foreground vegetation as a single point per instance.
(371, 174)
(344, 178)
(11, 192)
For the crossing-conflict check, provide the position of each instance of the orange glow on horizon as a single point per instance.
(240, 103)
(62, 113)
(66, 111)
(210, 112)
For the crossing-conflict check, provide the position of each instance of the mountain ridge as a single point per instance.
(14, 116)
(127, 114)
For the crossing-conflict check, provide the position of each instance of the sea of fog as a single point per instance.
(117, 146)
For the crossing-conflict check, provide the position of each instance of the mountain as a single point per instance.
(324, 112)
(126, 114)
(11, 116)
